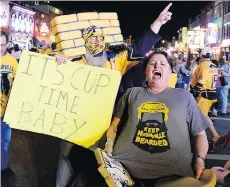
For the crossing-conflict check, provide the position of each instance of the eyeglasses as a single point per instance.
(96, 38)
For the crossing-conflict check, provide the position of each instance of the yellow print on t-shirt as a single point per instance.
(151, 134)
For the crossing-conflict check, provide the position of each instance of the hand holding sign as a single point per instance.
(61, 59)
(73, 102)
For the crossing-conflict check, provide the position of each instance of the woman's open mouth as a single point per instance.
(157, 75)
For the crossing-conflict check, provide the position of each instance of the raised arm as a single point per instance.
(149, 39)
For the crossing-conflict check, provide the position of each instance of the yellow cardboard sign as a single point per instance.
(71, 101)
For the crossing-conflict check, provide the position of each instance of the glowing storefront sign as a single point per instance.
(184, 34)
(212, 25)
(212, 33)
(22, 20)
(195, 38)
(21, 27)
(44, 30)
(215, 50)
(212, 37)
(4, 15)
(225, 43)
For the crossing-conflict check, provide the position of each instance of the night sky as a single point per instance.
(136, 16)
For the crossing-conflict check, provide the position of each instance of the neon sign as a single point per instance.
(44, 29)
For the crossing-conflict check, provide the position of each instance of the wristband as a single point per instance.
(110, 140)
(198, 156)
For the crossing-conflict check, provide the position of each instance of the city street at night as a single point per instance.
(115, 93)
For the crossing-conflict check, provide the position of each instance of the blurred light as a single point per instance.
(163, 41)
(212, 25)
(227, 23)
(56, 11)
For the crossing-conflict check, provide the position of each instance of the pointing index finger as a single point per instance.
(167, 8)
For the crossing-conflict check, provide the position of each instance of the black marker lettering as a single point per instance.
(64, 96)
(51, 94)
(29, 63)
(43, 87)
(41, 118)
(74, 104)
(61, 76)
(77, 128)
(26, 111)
(87, 80)
(73, 77)
(105, 84)
(44, 68)
(58, 123)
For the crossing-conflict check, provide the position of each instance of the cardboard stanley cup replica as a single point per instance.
(67, 30)
(114, 173)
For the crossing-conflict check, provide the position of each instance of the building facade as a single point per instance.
(214, 20)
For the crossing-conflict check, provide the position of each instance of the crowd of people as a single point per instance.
(47, 49)
(157, 131)
(185, 69)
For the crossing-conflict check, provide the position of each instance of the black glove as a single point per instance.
(196, 90)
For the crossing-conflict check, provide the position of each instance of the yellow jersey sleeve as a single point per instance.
(48, 51)
(41, 51)
(122, 63)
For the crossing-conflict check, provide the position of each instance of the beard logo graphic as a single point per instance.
(151, 134)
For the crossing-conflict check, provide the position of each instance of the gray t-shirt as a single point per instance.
(155, 140)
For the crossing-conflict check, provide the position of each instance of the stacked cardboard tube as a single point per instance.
(67, 30)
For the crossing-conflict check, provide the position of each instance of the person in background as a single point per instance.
(216, 105)
(9, 47)
(16, 52)
(178, 61)
(53, 49)
(187, 74)
(194, 64)
(203, 87)
(33, 49)
(46, 49)
(225, 84)
(8, 68)
(40, 49)
(182, 71)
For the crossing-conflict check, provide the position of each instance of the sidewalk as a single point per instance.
(33, 158)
